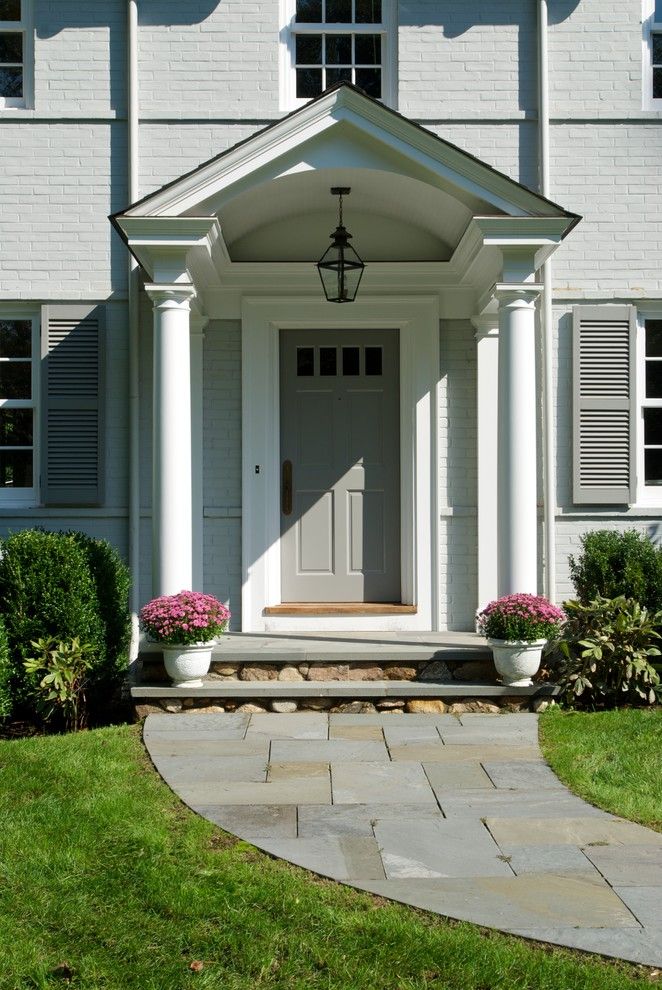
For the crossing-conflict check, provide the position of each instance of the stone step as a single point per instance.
(339, 689)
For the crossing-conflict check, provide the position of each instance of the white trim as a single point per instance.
(487, 360)
(387, 28)
(417, 319)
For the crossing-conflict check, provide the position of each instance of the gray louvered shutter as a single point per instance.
(71, 434)
(603, 404)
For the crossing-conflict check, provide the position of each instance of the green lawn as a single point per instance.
(107, 882)
(613, 759)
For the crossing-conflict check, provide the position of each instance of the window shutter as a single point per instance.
(603, 404)
(71, 377)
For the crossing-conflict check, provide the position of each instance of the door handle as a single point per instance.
(287, 488)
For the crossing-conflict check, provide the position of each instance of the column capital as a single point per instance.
(517, 293)
(173, 295)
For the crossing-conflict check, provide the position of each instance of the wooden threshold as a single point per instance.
(340, 608)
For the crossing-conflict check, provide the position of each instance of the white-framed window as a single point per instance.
(649, 409)
(652, 55)
(325, 42)
(19, 388)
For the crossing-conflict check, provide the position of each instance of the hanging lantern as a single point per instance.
(340, 267)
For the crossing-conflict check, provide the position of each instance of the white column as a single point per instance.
(172, 531)
(517, 511)
(198, 324)
(487, 360)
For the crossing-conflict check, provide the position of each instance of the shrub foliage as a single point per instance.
(64, 586)
(604, 654)
(612, 564)
(5, 674)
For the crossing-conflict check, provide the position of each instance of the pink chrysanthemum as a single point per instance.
(188, 617)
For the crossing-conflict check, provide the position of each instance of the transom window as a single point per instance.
(333, 41)
(348, 362)
(15, 53)
(18, 387)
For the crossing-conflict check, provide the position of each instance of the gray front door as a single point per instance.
(340, 466)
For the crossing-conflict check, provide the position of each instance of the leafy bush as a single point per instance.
(603, 655)
(64, 586)
(5, 675)
(613, 564)
(65, 667)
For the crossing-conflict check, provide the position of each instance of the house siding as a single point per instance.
(209, 77)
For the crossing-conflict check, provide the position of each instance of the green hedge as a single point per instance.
(613, 564)
(5, 674)
(64, 585)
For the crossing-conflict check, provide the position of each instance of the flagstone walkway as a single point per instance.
(456, 815)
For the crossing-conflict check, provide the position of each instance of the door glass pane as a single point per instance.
(309, 11)
(11, 47)
(15, 469)
(370, 11)
(10, 10)
(15, 380)
(338, 49)
(309, 83)
(368, 49)
(373, 360)
(15, 338)
(654, 379)
(309, 49)
(653, 467)
(305, 361)
(657, 84)
(657, 49)
(370, 81)
(328, 361)
(350, 360)
(15, 427)
(339, 11)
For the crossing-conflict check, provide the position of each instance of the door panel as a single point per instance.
(340, 428)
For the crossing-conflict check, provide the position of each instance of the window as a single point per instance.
(19, 352)
(332, 41)
(15, 53)
(652, 54)
(649, 390)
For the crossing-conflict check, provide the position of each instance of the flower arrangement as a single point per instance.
(520, 618)
(186, 618)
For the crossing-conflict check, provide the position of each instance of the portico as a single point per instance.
(445, 238)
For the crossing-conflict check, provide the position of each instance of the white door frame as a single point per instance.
(417, 319)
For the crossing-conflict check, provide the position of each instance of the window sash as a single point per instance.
(29, 495)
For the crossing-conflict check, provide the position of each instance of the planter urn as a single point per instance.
(187, 664)
(517, 661)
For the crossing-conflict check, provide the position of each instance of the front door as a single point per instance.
(340, 466)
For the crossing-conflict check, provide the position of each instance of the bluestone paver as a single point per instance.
(516, 851)
(518, 774)
(630, 866)
(441, 848)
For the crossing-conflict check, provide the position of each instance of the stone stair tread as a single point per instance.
(338, 689)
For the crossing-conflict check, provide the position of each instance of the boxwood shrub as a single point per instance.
(612, 564)
(64, 585)
(5, 675)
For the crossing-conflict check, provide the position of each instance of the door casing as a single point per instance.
(417, 319)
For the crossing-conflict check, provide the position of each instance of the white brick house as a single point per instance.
(492, 393)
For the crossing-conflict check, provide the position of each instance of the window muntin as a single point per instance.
(19, 355)
(15, 52)
(332, 41)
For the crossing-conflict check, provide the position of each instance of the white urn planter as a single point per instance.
(187, 664)
(517, 662)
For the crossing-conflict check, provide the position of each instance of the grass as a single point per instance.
(612, 759)
(108, 883)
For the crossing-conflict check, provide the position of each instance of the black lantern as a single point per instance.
(340, 267)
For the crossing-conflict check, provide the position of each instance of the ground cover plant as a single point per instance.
(110, 883)
(612, 758)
